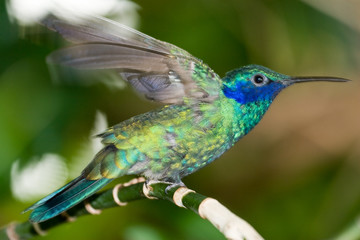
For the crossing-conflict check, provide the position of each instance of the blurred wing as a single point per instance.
(158, 70)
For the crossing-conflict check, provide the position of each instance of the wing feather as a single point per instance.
(158, 70)
(109, 56)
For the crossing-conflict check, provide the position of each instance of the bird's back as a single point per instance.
(167, 143)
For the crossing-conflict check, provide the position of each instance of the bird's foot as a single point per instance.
(174, 185)
(167, 189)
(147, 188)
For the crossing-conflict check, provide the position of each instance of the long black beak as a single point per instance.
(314, 79)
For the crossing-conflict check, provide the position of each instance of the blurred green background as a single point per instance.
(295, 176)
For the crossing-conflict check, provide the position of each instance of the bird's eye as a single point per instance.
(259, 80)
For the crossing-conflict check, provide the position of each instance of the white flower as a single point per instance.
(38, 178)
(29, 12)
(45, 175)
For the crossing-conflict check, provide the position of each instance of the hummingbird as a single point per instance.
(202, 116)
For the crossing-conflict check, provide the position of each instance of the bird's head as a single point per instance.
(254, 83)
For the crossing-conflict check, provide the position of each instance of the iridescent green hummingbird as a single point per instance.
(204, 115)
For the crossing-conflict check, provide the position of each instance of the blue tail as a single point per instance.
(65, 198)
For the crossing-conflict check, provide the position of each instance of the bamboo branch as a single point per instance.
(225, 221)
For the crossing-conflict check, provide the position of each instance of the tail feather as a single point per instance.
(91, 180)
(65, 198)
(42, 201)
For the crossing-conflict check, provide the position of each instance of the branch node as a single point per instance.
(38, 229)
(146, 190)
(91, 209)
(115, 195)
(11, 231)
(67, 216)
(134, 181)
(179, 194)
(116, 189)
